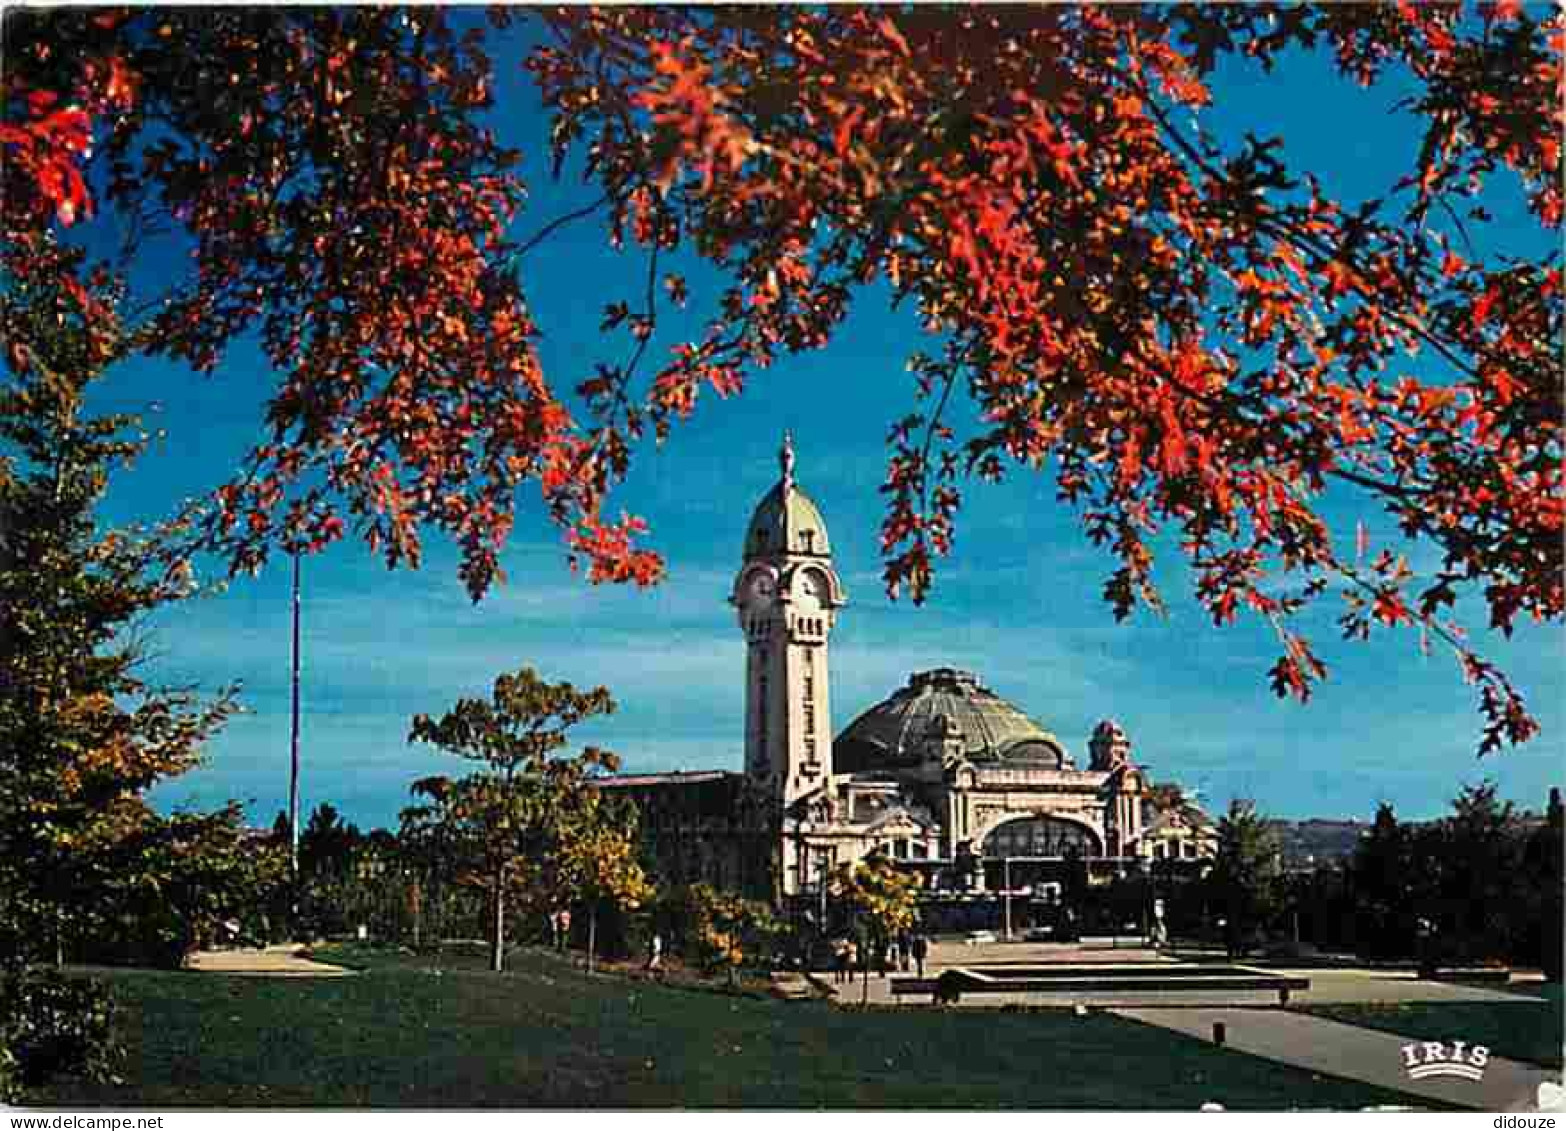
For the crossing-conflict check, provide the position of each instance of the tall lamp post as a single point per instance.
(293, 744)
(1006, 883)
(822, 872)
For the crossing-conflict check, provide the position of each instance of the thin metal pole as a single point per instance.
(1006, 879)
(293, 743)
(821, 882)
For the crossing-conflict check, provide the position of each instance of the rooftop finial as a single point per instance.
(786, 460)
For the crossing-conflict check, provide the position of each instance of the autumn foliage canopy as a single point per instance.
(1194, 339)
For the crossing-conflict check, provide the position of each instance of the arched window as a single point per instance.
(1042, 836)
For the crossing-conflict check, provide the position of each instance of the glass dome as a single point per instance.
(945, 704)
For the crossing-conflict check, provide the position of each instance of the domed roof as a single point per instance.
(786, 521)
(950, 704)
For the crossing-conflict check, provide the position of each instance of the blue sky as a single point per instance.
(1018, 602)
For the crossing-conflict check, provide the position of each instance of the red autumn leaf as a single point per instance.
(1184, 342)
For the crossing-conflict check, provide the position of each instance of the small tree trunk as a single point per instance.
(592, 934)
(497, 942)
(864, 992)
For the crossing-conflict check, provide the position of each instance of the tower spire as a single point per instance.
(786, 461)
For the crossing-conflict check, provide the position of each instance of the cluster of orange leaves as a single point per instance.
(1195, 338)
(345, 205)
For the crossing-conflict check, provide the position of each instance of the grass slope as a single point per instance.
(1529, 1028)
(400, 1035)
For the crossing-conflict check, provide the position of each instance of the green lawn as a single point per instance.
(546, 1034)
(1529, 1028)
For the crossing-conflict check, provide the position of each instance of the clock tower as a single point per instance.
(787, 595)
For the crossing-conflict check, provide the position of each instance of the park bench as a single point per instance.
(1475, 975)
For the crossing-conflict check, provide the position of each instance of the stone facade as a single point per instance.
(946, 774)
(941, 776)
(707, 826)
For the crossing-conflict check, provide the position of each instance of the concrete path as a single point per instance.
(1354, 986)
(1350, 1051)
(1096, 951)
(283, 961)
(790, 985)
(1327, 987)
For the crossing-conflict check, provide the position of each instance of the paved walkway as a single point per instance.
(1350, 1051)
(1327, 986)
(1255, 1025)
(1096, 951)
(283, 961)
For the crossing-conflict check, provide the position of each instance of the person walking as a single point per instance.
(655, 954)
(1425, 947)
(921, 949)
(840, 960)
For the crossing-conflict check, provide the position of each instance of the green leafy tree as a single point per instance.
(1384, 887)
(1486, 883)
(381, 889)
(52, 1024)
(1543, 863)
(729, 931)
(328, 843)
(179, 879)
(1247, 873)
(480, 837)
(503, 827)
(598, 850)
(434, 849)
(882, 902)
(80, 730)
(344, 874)
(1474, 856)
(82, 733)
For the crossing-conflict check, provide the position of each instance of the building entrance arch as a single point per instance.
(1040, 835)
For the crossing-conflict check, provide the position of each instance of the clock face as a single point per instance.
(813, 592)
(760, 588)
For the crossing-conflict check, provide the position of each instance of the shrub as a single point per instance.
(10, 1082)
(949, 987)
(52, 1026)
